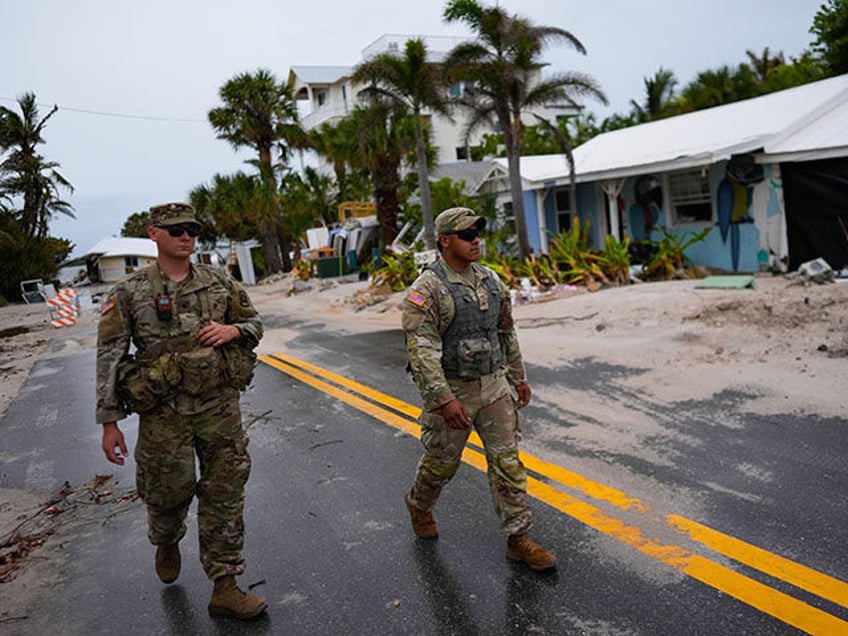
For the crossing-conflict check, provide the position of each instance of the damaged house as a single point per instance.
(769, 175)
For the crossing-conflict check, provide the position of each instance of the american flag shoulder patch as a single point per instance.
(107, 306)
(416, 298)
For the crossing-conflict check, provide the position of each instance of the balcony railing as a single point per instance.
(324, 114)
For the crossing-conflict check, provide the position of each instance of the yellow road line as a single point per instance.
(758, 595)
(766, 599)
(562, 475)
(363, 405)
(377, 396)
(801, 576)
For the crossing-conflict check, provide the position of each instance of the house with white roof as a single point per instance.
(326, 95)
(480, 177)
(115, 257)
(770, 174)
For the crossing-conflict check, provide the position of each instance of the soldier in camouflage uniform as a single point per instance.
(465, 359)
(194, 330)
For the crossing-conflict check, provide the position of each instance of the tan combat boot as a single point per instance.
(228, 600)
(168, 562)
(423, 523)
(519, 547)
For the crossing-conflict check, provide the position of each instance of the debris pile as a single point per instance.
(31, 531)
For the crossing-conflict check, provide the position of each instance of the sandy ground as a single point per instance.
(782, 341)
(787, 339)
(779, 330)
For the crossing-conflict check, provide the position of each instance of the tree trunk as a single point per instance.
(271, 248)
(424, 186)
(385, 192)
(513, 151)
(268, 226)
(286, 248)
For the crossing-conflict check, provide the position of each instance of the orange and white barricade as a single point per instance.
(64, 308)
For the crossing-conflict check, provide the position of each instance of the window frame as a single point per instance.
(563, 213)
(678, 194)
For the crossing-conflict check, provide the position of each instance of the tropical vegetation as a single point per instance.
(570, 260)
(379, 138)
(259, 112)
(500, 70)
(31, 189)
(830, 26)
(416, 83)
(387, 135)
(381, 151)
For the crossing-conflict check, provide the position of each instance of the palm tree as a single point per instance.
(136, 225)
(502, 67)
(418, 84)
(762, 64)
(317, 190)
(379, 137)
(235, 205)
(331, 142)
(659, 93)
(720, 86)
(25, 175)
(260, 112)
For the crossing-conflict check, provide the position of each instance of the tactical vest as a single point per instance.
(169, 343)
(179, 364)
(470, 345)
(203, 369)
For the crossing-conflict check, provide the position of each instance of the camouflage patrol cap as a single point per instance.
(172, 214)
(457, 219)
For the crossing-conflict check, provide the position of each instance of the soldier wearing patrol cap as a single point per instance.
(194, 330)
(465, 359)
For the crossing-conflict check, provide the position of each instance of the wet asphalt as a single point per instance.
(328, 543)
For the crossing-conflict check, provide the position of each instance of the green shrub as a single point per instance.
(395, 271)
(670, 261)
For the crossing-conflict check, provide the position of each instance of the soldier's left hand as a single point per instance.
(215, 334)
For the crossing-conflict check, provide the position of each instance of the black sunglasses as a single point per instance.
(468, 235)
(177, 230)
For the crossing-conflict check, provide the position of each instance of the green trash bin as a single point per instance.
(330, 266)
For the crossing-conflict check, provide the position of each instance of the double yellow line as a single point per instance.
(784, 607)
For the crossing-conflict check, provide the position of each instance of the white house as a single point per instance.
(328, 94)
(770, 174)
(113, 258)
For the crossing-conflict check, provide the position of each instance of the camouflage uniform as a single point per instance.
(428, 312)
(196, 412)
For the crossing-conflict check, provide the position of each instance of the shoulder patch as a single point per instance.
(244, 301)
(107, 306)
(416, 298)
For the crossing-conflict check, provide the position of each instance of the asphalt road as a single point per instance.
(328, 540)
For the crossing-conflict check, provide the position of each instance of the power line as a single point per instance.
(118, 115)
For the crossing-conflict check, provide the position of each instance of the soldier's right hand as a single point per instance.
(113, 443)
(455, 415)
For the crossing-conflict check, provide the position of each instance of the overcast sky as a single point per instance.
(134, 80)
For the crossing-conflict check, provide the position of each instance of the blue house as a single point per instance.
(769, 175)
